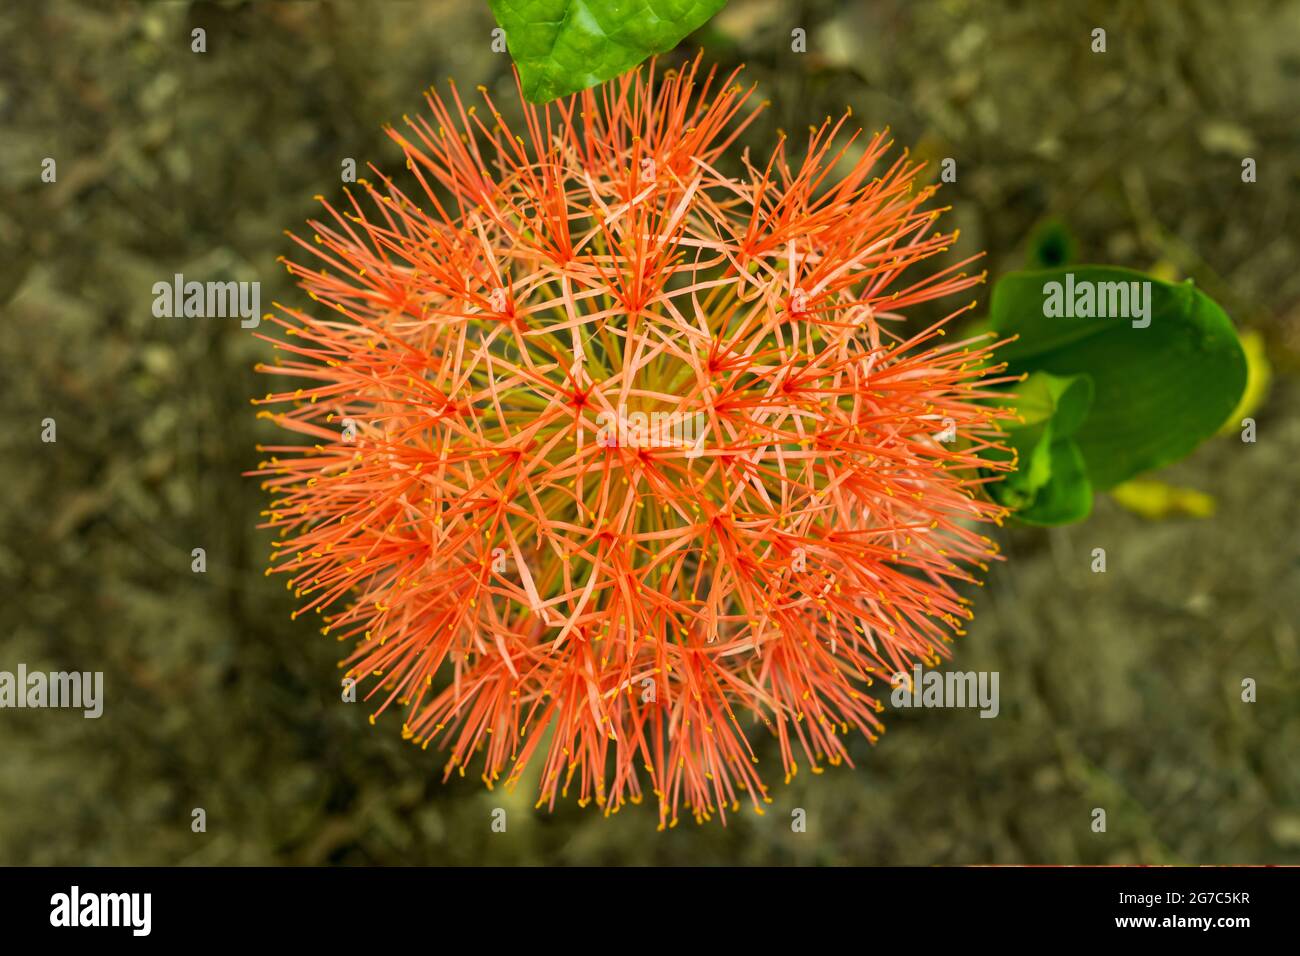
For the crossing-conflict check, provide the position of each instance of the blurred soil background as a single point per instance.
(1119, 690)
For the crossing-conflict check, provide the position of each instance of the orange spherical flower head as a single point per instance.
(613, 458)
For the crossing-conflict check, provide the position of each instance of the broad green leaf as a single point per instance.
(562, 46)
(1164, 360)
(1033, 455)
(1068, 496)
(1063, 400)
(1049, 485)
(1259, 376)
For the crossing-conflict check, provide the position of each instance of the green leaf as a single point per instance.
(1259, 377)
(1063, 400)
(1033, 449)
(1165, 377)
(1068, 496)
(1050, 245)
(1050, 484)
(562, 46)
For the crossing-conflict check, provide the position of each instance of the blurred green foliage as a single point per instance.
(1119, 690)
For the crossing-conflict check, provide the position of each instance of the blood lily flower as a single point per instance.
(614, 456)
